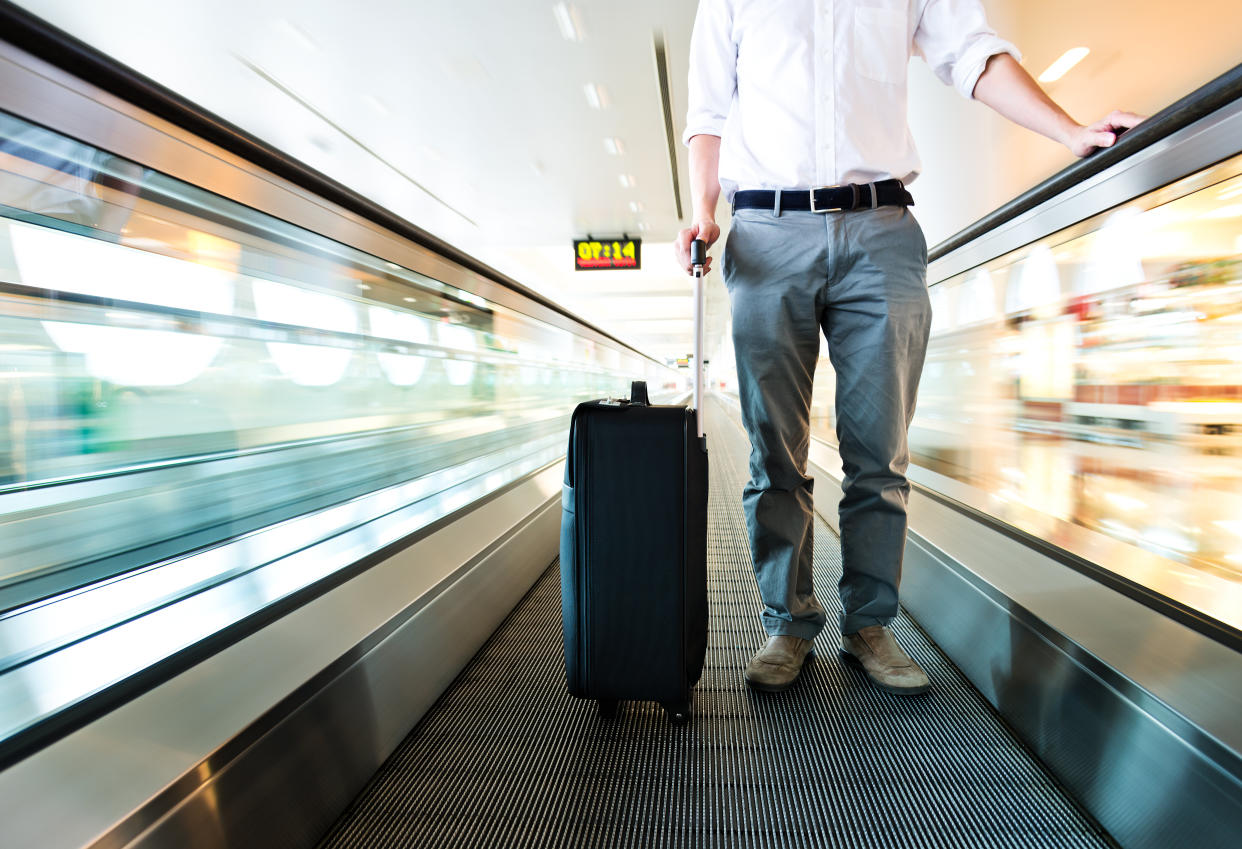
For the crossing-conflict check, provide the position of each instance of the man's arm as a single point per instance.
(711, 86)
(705, 190)
(1005, 86)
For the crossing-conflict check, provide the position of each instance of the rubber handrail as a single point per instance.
(1202, 101)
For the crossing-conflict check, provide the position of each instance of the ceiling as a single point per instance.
(470, 118)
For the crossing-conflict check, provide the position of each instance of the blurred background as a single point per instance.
(291, 346)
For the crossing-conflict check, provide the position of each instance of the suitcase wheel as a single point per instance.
(678, 714)
(607, 708)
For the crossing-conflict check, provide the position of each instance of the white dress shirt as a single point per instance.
(813, 92)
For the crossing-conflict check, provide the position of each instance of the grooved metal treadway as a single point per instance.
(507, 759)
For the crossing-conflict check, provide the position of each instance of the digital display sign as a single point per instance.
(595, 254)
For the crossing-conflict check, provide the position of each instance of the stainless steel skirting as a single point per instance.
(288, 786)
(1135, 713)
(264, 743)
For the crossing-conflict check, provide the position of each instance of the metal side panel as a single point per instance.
(1134, 712)
(264, 743)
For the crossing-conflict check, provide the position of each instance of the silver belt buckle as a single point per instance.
(815, 208)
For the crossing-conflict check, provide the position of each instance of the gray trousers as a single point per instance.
(860, 277)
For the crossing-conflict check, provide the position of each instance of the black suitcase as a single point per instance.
(634, 549)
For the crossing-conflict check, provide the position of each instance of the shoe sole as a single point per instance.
(888, 688)
(780, 688)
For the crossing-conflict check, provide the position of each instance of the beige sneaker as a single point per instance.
(778, 664)
(889, 668)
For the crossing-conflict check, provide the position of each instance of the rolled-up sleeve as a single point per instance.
(713, 70)
(954, 38)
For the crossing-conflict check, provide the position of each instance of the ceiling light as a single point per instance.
(626, 180)
(1061, 67)
(567, 19)
(635, 206)
(614, 146)
(642, 225)
(595, 95)
(1232, 191)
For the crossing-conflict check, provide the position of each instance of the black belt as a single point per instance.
(826, 198)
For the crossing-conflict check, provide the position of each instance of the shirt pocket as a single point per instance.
(881, 44)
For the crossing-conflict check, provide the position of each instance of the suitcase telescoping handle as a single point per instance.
(698, 258)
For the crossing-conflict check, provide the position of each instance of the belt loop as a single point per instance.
(776, 212)
(874, 196)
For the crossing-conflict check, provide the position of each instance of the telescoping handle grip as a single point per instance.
(698, 254)
(698, 258)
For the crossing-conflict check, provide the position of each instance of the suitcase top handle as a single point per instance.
(638, 393)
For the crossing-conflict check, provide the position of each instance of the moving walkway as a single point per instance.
(278, 466)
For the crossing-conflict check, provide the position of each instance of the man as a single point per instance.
(787, 95)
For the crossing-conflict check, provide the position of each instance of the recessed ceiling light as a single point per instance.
(595, 95)
(626, 180)
(635, 206)
(364, 287)
(614, 146)
(409, 300)
(568, 21)
(1061, 67)
(642, 225)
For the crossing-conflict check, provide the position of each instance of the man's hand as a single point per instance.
(1008, 88)
(1102, 133)
(705, 230)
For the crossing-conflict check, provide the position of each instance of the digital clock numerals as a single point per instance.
(607, 253)
(606, 250)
